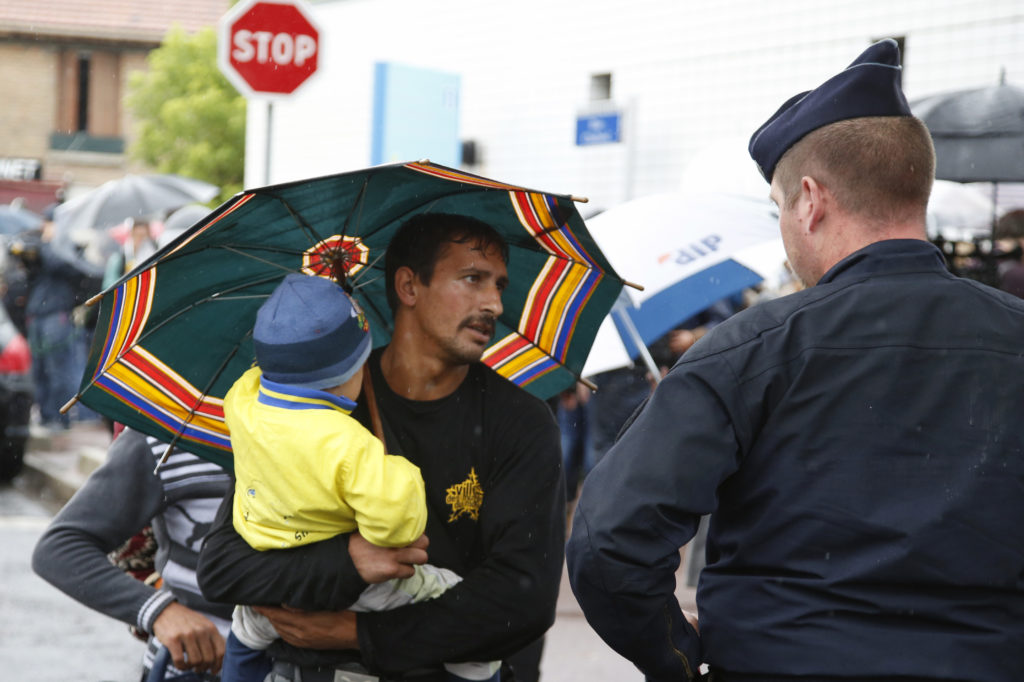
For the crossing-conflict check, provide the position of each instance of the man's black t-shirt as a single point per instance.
(445, 438)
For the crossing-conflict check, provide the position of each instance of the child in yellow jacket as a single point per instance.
(305, 470)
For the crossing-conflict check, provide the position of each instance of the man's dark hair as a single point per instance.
(422, 239)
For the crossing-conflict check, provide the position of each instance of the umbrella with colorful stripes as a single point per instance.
(175, 333)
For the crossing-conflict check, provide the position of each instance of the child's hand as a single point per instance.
(379, 564)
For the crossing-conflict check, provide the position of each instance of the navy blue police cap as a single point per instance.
(870, 86)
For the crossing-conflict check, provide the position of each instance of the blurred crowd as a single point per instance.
(48, 274)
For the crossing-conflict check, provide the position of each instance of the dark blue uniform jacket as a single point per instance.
(860, 446)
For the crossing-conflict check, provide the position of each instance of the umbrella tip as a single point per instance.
(68, 405)
(638, 287)
(580, 200)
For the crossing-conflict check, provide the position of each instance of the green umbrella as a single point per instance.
(175, 333)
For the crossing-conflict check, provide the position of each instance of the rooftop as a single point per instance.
(142, 21)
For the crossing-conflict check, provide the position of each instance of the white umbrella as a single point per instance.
(688, 251)
(958, 212)
(133, 196)
(179, 221)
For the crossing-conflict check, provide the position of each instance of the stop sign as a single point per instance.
(268, 47)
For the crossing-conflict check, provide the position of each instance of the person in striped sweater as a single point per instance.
(119, 499)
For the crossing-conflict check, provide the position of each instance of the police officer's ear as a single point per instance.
(814, 203)
(406, 286)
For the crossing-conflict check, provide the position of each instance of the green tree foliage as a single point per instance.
(189, 119)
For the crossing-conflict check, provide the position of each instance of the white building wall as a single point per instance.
(687, 73)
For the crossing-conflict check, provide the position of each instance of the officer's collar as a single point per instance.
(890, 255)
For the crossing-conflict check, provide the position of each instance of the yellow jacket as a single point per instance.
(305, 470)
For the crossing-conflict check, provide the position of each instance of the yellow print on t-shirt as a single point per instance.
(465, 498)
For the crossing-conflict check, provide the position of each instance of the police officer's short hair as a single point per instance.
(881, 167)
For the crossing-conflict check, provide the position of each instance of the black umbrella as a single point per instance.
(978, 134)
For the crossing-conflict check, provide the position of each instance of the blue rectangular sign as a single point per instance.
(415, 115)
(598, 128)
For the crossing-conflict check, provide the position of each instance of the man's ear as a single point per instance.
(406, 286)
(814, 198)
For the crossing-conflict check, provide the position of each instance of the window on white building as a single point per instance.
(600, 86)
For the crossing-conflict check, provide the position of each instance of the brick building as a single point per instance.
(64, 70)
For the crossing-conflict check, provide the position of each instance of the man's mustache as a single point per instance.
(484, 323)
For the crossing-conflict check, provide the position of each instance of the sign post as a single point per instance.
(267, 49)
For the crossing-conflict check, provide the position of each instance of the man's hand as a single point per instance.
(379, 564)
(193, 640)
(313, 629)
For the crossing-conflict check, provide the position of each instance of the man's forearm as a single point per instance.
(72, 552)
(633, 607)
(313, 577)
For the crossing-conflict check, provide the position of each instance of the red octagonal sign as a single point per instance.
(268, 47)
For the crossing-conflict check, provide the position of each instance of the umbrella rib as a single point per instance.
(250, 297)
(244, 254)
(240, 249)
(307, 228)
(369, 266)
(212, 297)
(303, 225)
(205, 392)
(357, 208)
(338, 252)
(301, 221)
(368, 282)
(237, 246)
(372, 304)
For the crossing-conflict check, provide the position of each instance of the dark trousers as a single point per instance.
(242, 664)
(57, 363)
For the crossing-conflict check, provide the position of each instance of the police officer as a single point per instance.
(856, 443)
